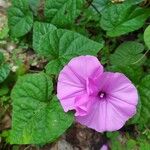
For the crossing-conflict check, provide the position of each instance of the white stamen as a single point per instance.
(102, 95)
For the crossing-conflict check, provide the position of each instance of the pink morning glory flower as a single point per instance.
(104, 147)
(103, 101)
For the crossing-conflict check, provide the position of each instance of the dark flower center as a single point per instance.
(101, 94)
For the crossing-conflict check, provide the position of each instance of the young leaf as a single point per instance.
(62, 45)
(127, 53)
(147, 36)
(4, 72)
(63, 13)
(119, 19)
(37, 117)
(20, 18)
(144, 90)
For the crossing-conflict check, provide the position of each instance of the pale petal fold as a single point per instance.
(79, 84)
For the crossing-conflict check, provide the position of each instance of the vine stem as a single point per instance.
(141, 57)
(95, 8)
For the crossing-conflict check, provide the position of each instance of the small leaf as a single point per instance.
(119, 19)
(144, 90)
(20, 18)
(147, 36)
(37, 117)
(4, 72)
(127, 53)
(63, 13)
(60, 45)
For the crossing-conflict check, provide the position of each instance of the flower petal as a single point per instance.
(104, 147)
(83, 105)
(111, 112)
(106, 116)
(72, 79)
(117, 85)
(86, 66)
(118, 112)
(96, 119)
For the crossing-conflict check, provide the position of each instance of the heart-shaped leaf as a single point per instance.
(20, 18)
(37, 117)
(60, 45)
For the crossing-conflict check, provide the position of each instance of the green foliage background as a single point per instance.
(118, 33)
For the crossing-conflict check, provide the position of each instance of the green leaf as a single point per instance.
(133, 2)
(144, 90)
(133, 72)
(119, 19)
(136, 117)
(128, 53)
(65, 45)
(112, 135)
(115, 144)
(63, 12)
(3, 27)
(37, 117)
(1, 58)
(3, 90)
(101, 4)
(3, 24)
(41, 33)
(53, 67)
(4, 72)
(147, 36)
(144, 145)
(34, 4)
(4, 32)
(4, 68)
(131, 144)
(61, 45)
(20, 18)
